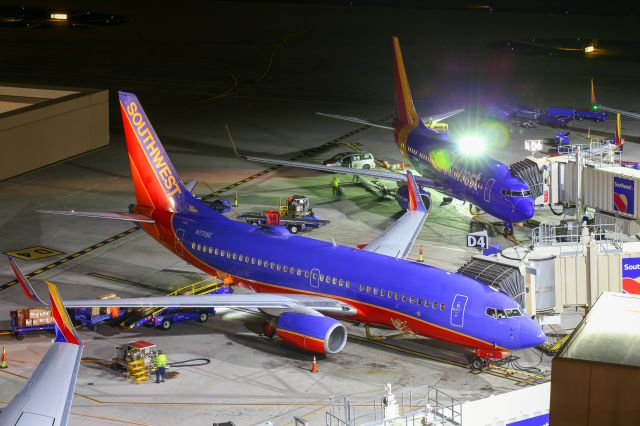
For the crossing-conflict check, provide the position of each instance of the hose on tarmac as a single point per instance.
(195, 362)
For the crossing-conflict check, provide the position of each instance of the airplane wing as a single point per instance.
(46, 397)
(594, 103)
(128, 217)
(355, 120)
(378, 174)
(398, 239)
(294, 302)
(443, 116)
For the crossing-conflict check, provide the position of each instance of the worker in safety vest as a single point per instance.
(335, 185)
(161, 363)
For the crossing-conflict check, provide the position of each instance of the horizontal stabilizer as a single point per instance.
(129, 217)
(355, 120)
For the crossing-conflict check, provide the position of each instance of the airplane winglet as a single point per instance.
(415, 199)
(233, 144)
(65, 331)
(24, 283)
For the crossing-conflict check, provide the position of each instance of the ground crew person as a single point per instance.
(161, 363)
(335, 185)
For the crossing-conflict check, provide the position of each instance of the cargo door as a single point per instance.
(457, 310)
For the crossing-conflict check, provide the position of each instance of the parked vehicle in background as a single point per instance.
(552, 120)
(353, 160)
(590, 114)
(566, 113)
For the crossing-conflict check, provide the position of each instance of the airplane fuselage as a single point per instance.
(385, 291)
(478, 179)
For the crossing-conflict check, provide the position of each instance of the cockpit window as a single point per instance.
(506, 313)
(508, 193)
(513, 312)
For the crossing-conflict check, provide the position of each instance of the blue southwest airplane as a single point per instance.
(304, 285)
(478, 179)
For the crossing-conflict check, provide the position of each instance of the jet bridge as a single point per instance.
(500, 274)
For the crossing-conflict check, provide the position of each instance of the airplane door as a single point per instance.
(487, 189)
(457, 310)
(178, 242)
(314, 278)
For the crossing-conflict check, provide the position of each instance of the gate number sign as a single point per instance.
(478, 239)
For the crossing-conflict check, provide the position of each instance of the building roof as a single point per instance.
(610, 332)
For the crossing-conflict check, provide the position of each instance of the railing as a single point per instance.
(606, 236)
(410, 407)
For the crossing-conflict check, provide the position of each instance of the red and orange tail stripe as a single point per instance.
(65, 332)
(406, 111)
(593, 94)
(619, 140)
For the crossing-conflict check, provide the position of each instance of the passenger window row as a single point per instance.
(397, 296)
(323, 278)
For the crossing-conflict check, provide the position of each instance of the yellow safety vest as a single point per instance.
(161, 360)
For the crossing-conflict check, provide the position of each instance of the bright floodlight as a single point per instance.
(471, 144)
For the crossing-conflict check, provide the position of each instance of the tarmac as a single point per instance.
(334, 59)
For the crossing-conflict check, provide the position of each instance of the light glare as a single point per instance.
(471, 144)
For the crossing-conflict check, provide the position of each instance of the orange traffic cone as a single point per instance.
(3, 362)
(235, 200)
(402, 165)
(421, 255)
(314, 366)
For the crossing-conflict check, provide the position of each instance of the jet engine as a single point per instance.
(318, 334)
(402, 197)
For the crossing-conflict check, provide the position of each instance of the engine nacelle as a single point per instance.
(318, 334)
(402, 197)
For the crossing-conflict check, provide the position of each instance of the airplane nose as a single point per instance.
(525, 208)
(531, 334)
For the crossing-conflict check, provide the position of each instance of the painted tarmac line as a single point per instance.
(72, 256)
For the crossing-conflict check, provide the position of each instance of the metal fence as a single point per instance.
(413, 407)
(573, 236)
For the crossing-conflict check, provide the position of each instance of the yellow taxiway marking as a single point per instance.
(33, 253)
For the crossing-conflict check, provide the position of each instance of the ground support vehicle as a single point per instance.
(296, 215)
(565, 113)
(169, 316)
(562, 138)
(89, 320)
(552, 120)
(590, 114)
(134, 352)
(165, 317)
(25, 320)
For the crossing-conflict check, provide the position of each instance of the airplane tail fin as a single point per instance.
(406, 112)
(593, 94)
(618, 138)
(65, 331)
(24, 283)
(155, 180)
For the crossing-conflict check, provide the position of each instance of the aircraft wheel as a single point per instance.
(477, 364)
(203, 317)
(165, 325)
(294, 229)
